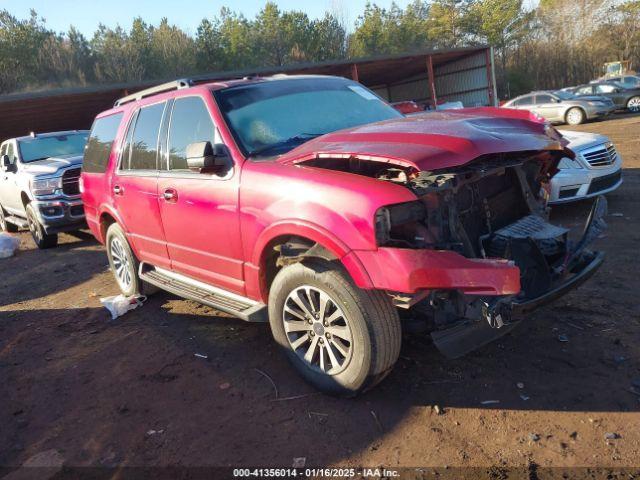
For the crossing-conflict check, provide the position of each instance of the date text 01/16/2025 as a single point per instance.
(315, 472)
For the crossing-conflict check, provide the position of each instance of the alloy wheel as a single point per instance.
(634, 104)
(574, 117)
(121, 264)
(317, 329)
(34, 228)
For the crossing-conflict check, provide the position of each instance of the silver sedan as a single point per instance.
(563, 107)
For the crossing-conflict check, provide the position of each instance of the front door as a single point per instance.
(135, 186)
(9, 191)
(200, 210)
(547, 107)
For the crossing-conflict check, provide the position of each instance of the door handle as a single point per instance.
(170, 195)
(118, 190)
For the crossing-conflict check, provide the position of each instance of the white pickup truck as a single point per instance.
(39, 184)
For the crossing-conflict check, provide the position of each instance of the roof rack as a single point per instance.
(165, 87)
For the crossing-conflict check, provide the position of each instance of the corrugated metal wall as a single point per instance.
(464, 80)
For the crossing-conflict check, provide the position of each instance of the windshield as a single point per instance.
(40, 148)
(273, 117)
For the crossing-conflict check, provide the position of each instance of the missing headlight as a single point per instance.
(401, 224)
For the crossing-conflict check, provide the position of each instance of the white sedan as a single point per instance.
(597, 168)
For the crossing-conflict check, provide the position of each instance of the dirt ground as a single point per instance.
(83, 390)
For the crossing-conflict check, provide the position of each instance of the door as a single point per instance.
(200, 210)
(135, 186)
(547, 107)
(10, 197)
(614, 93)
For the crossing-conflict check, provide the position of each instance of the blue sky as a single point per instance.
(86, 14)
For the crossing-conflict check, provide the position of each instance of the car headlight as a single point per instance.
(394, 222)
(46, 186)
(568, 164)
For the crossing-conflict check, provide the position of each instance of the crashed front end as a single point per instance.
(477, 251)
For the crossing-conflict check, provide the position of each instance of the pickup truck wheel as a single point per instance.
(124, 263)
(341, 339)
(40, 237)
(6, 226)
(575, 116)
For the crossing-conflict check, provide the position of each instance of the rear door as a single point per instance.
(135, 185)
(200, 210)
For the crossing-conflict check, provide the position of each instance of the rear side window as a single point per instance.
(190, 123)
(524, 101)
(98, 149)
(143, 149)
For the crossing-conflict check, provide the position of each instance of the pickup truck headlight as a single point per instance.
(393, 222)
(46, 186)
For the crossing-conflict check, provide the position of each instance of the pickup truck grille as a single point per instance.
(601, 156)
(71, 182)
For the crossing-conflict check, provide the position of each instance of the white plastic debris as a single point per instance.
(119, 305)
(8, 245)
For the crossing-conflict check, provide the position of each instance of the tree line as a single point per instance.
(556, 44)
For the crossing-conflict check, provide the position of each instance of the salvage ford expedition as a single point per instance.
(39, 184)
(310, 203)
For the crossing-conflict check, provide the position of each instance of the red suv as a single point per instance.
(310, 203)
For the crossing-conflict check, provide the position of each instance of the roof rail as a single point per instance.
(165, 87)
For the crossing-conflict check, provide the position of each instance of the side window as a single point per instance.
(144, 141)
(98, 149)
(540, 99)
(605, 89)
(11, 153)
(584, 91)
(524, 101)
(190, 123)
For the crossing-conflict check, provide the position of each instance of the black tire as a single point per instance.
(136, 286)
(6, 226)
(40, 237)
(633, 104)
(372, 319)
(575, 116)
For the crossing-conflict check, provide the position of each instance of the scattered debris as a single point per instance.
(265, 375)
(611, 436)
(200, 355)
(295, 397)
(577, 327)
(534, 437)
(119, 304)
(438, 410)
(524, 397)
(489, 402)
(318, 414)
(520, 385)
(375, 417)
(563, 338)
(299, 462)
(224, 386)
(573, 435)
(154, 432)
(616, 214)
(8, 245)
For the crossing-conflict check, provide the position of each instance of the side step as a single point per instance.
(237, 305)
(19, 222)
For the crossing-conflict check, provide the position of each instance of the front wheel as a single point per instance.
(341, 339)
(633, 105)
(575, 116)
(40, 237)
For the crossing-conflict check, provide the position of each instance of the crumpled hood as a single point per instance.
(581, 140)
(435, 140)
(51, 165)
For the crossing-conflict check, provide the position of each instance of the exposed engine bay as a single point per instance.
(493, 207)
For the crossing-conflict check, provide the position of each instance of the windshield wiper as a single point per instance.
(300, 138)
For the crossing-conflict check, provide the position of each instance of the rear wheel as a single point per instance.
(40, 237)
(633, 105)
(4, 225)
(341, 339)
(124, 263)
(575, 116)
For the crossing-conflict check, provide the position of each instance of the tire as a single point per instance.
(633, 105)
(38, 233)
(367, 317)
(4, 225)
(124, 264)
(575, 116)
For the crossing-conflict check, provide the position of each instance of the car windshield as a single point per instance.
(63, 145)
(564, 95)
(273, 117)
